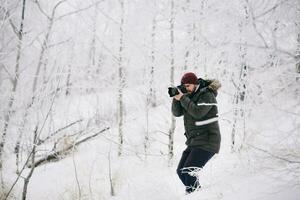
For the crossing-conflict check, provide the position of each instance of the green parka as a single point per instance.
(200, 114)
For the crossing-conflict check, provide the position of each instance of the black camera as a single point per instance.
(174, 90)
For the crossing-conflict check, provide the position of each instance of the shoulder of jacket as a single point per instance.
(206, 95)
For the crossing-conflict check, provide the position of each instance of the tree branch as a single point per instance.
(263, 47)
(59, 43)
(274, 156)
(77, 11)
(11, 78)
(55, 155)
(270, 10)
(13, 27)
(33, 149)
(40, 8)
(254, 24)
(57, 131)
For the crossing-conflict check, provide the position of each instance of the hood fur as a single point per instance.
(214, 84)
(209, 84)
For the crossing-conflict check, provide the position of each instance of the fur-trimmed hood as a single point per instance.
(214, 84)
(211, 84)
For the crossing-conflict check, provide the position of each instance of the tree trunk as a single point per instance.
(238, 133)
(68, 81)
(189, 34)
(146, 138)
(297, 57)
(195, 46)
(121, 81)
(27, 179)
(41, 58)
(151, 97)
(298, 54)
(198, 45)
(92, 52)
(151, 87)
(173, 122)
(111, 180)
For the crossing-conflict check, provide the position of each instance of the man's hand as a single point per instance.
(178, 96)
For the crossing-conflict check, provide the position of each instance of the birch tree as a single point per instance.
(198, 45)
(189, 33)
(92, 51)
(121, 80)
(172, 69)
(32, 157)
(68, 80)
(239, 123)
(152, 95)
(298, 49)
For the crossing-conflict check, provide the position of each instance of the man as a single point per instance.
(200, 114)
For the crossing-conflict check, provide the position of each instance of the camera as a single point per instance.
(203, 84)
(174, 90)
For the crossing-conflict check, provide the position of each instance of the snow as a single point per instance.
(219, 38)
(226, 176)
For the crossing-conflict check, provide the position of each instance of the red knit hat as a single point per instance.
(189, 78)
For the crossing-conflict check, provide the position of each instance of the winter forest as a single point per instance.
(85, 111)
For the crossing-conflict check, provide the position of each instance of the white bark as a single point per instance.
(238, 133)
(189, 35)
(121, 81)
(28, 177)
(173, 122)
(91, 65)
(68, 81)
(298, 52)
(153, 59)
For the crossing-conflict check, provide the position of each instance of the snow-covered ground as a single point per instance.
(252, 47)
(85, 173)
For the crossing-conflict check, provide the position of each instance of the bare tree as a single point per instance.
(15, 79)
(298, 51)
(189, 33)
(152, 95)
(32, 153)
(193, 46)
(239, 123)
(195, 40)
(111, 179)
(92, 51)
(45, 43)
(146, 137)
(172, 69)
(27, 179)
(68, 81)
(121, 80)
(41, 62)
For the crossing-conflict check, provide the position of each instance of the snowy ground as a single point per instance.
(250, 46)
(246, 175)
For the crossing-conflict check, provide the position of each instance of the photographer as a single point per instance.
(198, 106)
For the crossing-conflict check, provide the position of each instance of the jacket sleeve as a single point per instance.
(177, 109)
(202, 107)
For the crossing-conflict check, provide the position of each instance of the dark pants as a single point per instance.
(192, 159)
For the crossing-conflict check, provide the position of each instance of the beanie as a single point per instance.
(189, 78)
